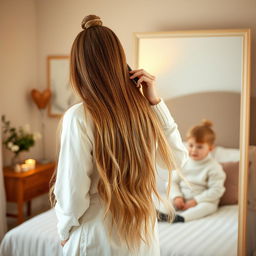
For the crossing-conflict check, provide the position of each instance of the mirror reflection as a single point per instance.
(200, 79)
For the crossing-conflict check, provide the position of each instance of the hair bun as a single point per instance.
(207, 123)
(91, 21)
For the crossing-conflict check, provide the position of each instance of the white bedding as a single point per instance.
(35, 237)
(210, 236)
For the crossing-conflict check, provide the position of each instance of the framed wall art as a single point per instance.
(58, 77)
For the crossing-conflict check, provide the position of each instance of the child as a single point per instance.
(204, 174)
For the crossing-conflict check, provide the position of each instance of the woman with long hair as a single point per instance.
(104, 186)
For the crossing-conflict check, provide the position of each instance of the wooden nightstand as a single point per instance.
(21, 187)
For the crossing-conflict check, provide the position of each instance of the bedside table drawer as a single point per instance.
(36, 191)
(22, 187)
(37, 180)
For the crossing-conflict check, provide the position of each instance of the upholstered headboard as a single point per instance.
(222, 108)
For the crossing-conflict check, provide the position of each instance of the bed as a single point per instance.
(213, 235)
(35, 237)
(38, 236)
(216, 233)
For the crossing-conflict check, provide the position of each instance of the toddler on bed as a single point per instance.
(204, 174)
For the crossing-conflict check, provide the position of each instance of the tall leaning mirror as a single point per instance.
(205, 74)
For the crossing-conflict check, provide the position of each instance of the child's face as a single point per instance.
(198, 151)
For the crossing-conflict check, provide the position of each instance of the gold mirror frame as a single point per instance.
(244, 111)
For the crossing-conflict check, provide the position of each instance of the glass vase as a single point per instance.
(16, 159)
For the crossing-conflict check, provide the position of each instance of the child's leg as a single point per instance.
(199, 211)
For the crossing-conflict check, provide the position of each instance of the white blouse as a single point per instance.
(77, 176)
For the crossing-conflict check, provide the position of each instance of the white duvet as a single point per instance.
(210, 236)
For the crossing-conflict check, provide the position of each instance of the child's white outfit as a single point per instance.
(79, 209)
(206, 178)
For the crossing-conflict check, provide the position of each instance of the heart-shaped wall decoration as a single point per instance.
(41, 98)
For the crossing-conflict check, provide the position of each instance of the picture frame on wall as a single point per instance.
(58, 79)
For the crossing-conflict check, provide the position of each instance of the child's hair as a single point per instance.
(202, 133)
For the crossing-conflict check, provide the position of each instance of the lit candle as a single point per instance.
(17, 168)
(31, 163)
(26, 167)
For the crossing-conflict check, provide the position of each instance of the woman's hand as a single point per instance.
(147, 82)
(63, 242)
(179, 203)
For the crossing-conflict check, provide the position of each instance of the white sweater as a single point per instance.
(206, 178)
(77, 176)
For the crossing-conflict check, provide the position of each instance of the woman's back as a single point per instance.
(107, 160)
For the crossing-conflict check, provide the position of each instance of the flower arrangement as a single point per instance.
(18, 140)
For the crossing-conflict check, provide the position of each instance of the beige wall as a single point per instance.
(31, 30)
(19, 74)
(59, 23)
(18, 65)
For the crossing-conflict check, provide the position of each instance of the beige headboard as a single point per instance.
(222, 108)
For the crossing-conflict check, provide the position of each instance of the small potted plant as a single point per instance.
(18, 140)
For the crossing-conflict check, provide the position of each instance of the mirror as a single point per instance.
(206, 74)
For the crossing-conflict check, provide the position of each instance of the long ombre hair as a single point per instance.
(126, 131)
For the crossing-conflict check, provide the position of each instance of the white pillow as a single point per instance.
(222, 154)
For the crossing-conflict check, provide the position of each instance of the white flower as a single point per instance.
(15, 148)
(10, 144)
(26, 128)
(37, 135)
